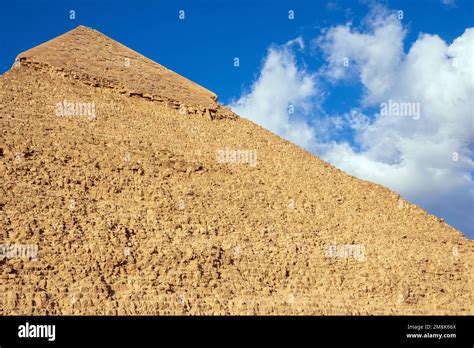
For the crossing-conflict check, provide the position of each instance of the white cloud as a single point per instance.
(411, 156)
(282, 96)
(376, 54)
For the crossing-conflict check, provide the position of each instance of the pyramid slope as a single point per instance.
(133, 214)
(93, 57)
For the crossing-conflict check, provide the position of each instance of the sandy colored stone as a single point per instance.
(133, 213)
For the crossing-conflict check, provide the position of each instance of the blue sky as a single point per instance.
(305, 50)
(202, 47)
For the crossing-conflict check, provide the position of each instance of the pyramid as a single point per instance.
(129, 190)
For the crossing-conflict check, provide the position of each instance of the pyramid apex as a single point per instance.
(90, 56)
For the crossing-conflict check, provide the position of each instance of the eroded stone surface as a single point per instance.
(134, 212)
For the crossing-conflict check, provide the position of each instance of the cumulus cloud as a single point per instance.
(376, 54)
(425, 156)
(282, 96)
(429, 159)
